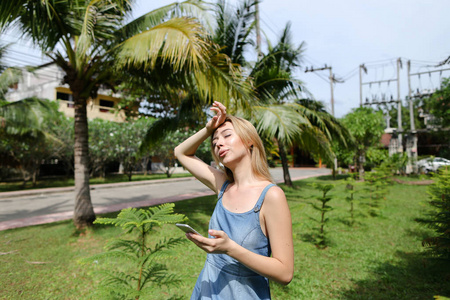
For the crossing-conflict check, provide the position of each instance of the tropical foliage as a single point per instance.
(94, 45)
(28, 135)
(438, 105)
(144, 255)
(366, 126)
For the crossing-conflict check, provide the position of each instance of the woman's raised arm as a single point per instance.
(185, 152)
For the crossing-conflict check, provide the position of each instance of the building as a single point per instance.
(47, 82)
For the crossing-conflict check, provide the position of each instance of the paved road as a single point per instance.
(18, 209)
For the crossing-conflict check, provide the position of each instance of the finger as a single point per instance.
(216, 109)
(216, 233)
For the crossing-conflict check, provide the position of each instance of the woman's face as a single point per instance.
(227, 145)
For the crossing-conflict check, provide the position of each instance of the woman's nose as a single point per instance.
(219, 143)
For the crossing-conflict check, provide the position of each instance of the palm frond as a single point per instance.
(196, 9)
(158, 131)
(177, 42)
(25, 116)
(98, 22)
(279, 121)
(313, 140)
(233, 29)
(220, 80)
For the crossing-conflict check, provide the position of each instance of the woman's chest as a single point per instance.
(240, 202)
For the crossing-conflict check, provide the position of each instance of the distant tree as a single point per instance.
(438, 104)
(61, 127)
(102, 145)
(127, 140)
(26, 137)
(366, 126)
(164, 149)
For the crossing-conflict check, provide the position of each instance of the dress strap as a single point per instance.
(260, 202)
(222, 190)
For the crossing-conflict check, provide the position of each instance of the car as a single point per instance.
(430, 164)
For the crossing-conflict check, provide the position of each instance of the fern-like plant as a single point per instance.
(350, 188)
(377, 182)
(144, 264)
(439, 218)
(323, 209)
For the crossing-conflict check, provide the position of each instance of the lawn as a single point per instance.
(379, 257)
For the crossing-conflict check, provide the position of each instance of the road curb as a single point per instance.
(5, 195)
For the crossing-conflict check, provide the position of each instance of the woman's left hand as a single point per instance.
(219, 244)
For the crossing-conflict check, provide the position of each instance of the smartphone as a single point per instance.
(186, 228)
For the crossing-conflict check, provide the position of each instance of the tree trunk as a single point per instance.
(361, 160)
(285, 164)
(83, 215)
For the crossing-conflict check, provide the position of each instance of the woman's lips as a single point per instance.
(222, 153)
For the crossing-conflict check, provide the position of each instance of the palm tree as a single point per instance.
(182, 103)
(275, 113)
(93, 44)
(281, 116)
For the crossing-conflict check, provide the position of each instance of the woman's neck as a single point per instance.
(243, 175)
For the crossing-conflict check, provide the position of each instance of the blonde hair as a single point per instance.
(249, 136)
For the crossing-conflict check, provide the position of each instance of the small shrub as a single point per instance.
(143, 264)
(439, 217)
(350, 189)
(323, 209)
(376, 182)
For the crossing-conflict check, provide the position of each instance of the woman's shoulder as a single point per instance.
(275, 194)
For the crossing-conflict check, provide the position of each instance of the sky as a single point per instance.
(345, 34)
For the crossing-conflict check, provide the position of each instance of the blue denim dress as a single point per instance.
(224, 277)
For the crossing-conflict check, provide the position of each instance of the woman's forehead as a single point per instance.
(223, 127)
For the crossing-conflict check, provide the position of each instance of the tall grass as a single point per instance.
(376, 258)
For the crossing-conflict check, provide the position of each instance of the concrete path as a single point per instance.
(33, 207)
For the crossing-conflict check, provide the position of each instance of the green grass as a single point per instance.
(49, 183)
(377, 258)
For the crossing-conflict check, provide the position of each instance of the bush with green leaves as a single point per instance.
(134, 265)
(438, 218)
(323, 209)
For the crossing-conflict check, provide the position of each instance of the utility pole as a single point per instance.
(332, 81)
(399, 108)
(361, 68)
(411, 143)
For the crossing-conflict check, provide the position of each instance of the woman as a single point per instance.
(249, 243)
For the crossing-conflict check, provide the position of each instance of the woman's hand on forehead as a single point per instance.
(219, 118)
